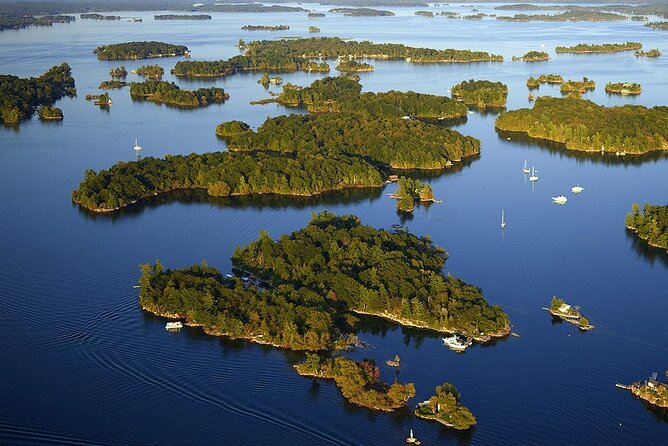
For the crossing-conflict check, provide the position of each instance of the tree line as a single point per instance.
(650, 223)
(139, 50)
(481, 93)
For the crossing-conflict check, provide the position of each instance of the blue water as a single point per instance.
(82, 363)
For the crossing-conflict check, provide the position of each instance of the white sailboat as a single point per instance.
(137, 146)
(577, 189)
(503, 221)
(525, 169)
(533, 176)
(560, 199)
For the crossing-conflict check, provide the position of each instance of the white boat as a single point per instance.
(533, 176)
(503, 221)
(525, 169)
(577, 189)
(137, 146)
(173, 325)
(457, 343)
(412, 439)
(560, 199)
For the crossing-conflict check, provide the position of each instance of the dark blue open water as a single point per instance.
(81, 363)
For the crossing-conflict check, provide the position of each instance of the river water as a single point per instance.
(83, 364)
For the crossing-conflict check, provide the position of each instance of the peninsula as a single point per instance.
(650, 224)
(139, 50)
(19, 97)
(445, 408)
(584, 48)
(583, 125)
(170, 94)
(481, 94)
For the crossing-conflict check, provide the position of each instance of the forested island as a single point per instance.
(567, 16)
(533, 56)
(315, 15)
(288, 155)
(362, 12)
(650, 53)
(409, 191)
(583, 48)
(359, 382)
(663, 26)
(650, 224)
(534, 83)
(247, 7)
(313, 29)
(344, 95)
(19, 97)
(18, 22)
(182, 17)
(139, 50)
(118, 71)
(296, 54)
(265, 27)
(95, 16)
(445, 408)
(586, 126)
(623, 88)
(652, 391)
(108, 85)
(151, 71)
(170, 93)
(578, 87)
(265, 80)
(478, 16)
(48, 113)
(481, 94)
(352, 65)
(424, 13)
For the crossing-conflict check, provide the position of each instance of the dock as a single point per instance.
(623, 386)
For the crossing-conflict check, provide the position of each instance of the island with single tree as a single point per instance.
(118, 71)
(362, 12)
(445, 408)
(623, 88)
(48, 113)
(20, 21)
(662, 26)
(151, 71)
(182, 17)
(265, 27)
(584, 48)
(170, 94)
(560, 309)
(583, 125)
(139, 50)
(481, 93)
(108, 85)
(19, 97)
(533, 56)
(650, 224)
(359, 382)
(344, 95)
(352, 65)
(649, 53)
(95, 16)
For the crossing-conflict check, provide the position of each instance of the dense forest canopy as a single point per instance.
(599, 48)
(170, 93)
(481, 93)
(340, 94)
(650, 223)
(353, 66)
(18, 22)
(139, 50)
(583, 125)
(362, 12)
(154, 71)
(567, 16)
(20, 96)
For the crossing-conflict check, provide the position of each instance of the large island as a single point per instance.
(650, 224)
(139, 50)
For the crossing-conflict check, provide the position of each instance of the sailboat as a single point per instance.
(503, 221)
(525, 169)
(137, 146)
(533, 176)
(412, 439)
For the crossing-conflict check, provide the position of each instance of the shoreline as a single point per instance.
(646, 240)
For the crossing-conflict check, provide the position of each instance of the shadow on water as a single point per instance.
(642, 249)
(608, 159)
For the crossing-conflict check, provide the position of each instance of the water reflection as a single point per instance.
(642, 249)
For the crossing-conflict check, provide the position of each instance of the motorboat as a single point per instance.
(173, 325)
(457, 343)
(577, 189)
(560, 199)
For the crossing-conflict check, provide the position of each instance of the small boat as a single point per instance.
(525, 169)
(173, 325)
(577, 189)
(503, 221)
(412, 439)
(533, 176)
(137, 146)
(560, 199)
(457, 343)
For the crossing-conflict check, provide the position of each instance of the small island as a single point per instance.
(651, 391)
(583, 125)
(265, 27)
(170, 94)
(650, 224)
(103, 100)
(623, 88)
(578, 87)
(315, 15)
(478, 16)
(19, 97)
(481, 94)
(20, 21)
(139, 50)
(265, 80)
(445, 408)
(118, 71)
(150, 71)
(359, 382)
(48, 113)
(424, 13)
(533, 56)
(182, 17)
(409, 191)
(584, 48)
(662, 26)
(650, 53)
(313, 29)
(108, 85)
(95, 16)
(560, 309)
(351, 65)
(362, 12)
